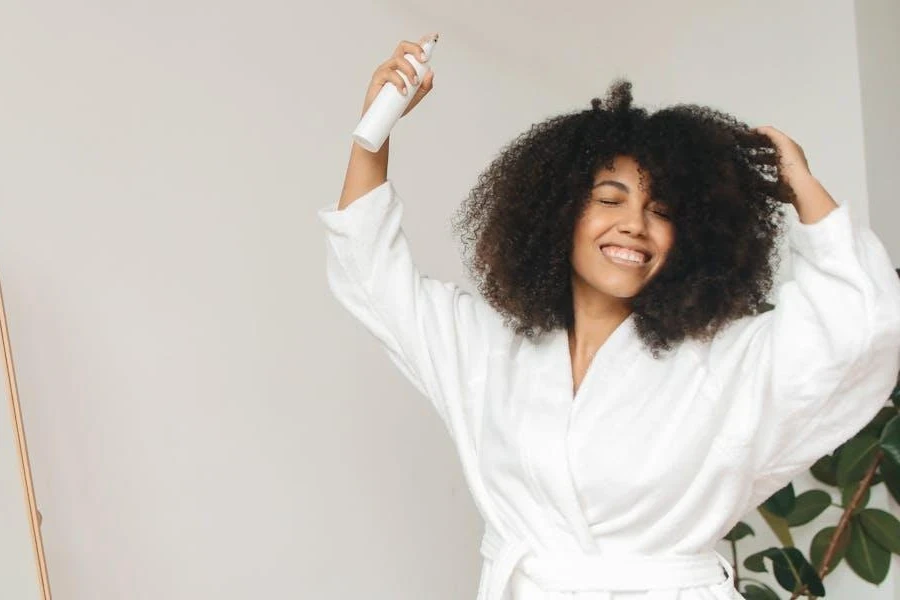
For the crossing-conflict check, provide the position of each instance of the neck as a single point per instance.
(596, 316)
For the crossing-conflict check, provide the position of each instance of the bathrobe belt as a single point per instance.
(661, 575)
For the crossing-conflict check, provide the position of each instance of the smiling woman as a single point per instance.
(617, 398)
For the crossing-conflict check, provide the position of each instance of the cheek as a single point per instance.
(583, 235)
(589, 228)
(665, 239)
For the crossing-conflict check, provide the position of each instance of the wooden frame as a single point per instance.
(16, 413)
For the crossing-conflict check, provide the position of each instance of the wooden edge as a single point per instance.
(23, 454)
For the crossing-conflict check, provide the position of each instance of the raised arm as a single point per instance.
(367, 170)
(439, 336)
(807, 375)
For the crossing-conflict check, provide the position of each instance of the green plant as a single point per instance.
(865, 537)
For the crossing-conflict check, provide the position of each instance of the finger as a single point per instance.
(775, 134)
(403, 65)
(406, 47)
(428, 38)
(386, 64)
(763, 130)
(398, 81)
(428, 80)
(776, 137)
(427, 85)
(393, 76)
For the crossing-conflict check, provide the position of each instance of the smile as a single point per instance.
(623, 256)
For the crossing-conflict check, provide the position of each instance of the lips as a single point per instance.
(624, 254)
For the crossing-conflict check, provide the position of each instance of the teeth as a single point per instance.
(624, 254)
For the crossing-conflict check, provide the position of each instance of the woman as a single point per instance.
(618, 396)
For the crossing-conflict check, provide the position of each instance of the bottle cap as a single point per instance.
(427, 46)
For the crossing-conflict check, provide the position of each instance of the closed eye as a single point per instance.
(659, 212)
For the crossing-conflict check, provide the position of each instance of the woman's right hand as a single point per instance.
(388, 72)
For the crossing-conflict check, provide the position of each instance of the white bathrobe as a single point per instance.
(624, 489)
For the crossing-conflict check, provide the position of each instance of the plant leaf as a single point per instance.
(890, 439)
(755, 563)
(739, 531)
(778, 525)
(891, 474)
(867, 559)
(855, 458)
(825, 470)
(808, 506)
(759, 592)
(882, 527)
(876, 425)
(782, 502)
(793, 570)
(819, 545)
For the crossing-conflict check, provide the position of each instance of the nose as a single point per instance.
(633, 221)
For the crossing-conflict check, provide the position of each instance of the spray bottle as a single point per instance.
(389, 105)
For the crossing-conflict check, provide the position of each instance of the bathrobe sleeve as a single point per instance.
(808, 375)
(439, 336)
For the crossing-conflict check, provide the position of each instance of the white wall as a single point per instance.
(204, 420)
(877, 25)
(878, 44)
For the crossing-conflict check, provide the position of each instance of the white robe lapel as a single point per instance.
(546, 425)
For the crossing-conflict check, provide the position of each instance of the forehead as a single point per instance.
(623, 173)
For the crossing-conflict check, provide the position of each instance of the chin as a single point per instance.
(621, 292)
(617, 287)
(613, 283)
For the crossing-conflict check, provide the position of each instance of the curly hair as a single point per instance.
(719, 179)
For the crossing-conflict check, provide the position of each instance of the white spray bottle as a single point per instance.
(387, 107)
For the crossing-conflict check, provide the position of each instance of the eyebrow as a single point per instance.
(616, 184)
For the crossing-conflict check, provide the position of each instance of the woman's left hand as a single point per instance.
(793, 163)
(812, 201)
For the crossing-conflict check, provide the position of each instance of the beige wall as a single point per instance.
(878, 41)
(877, 25)
(204, 420)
